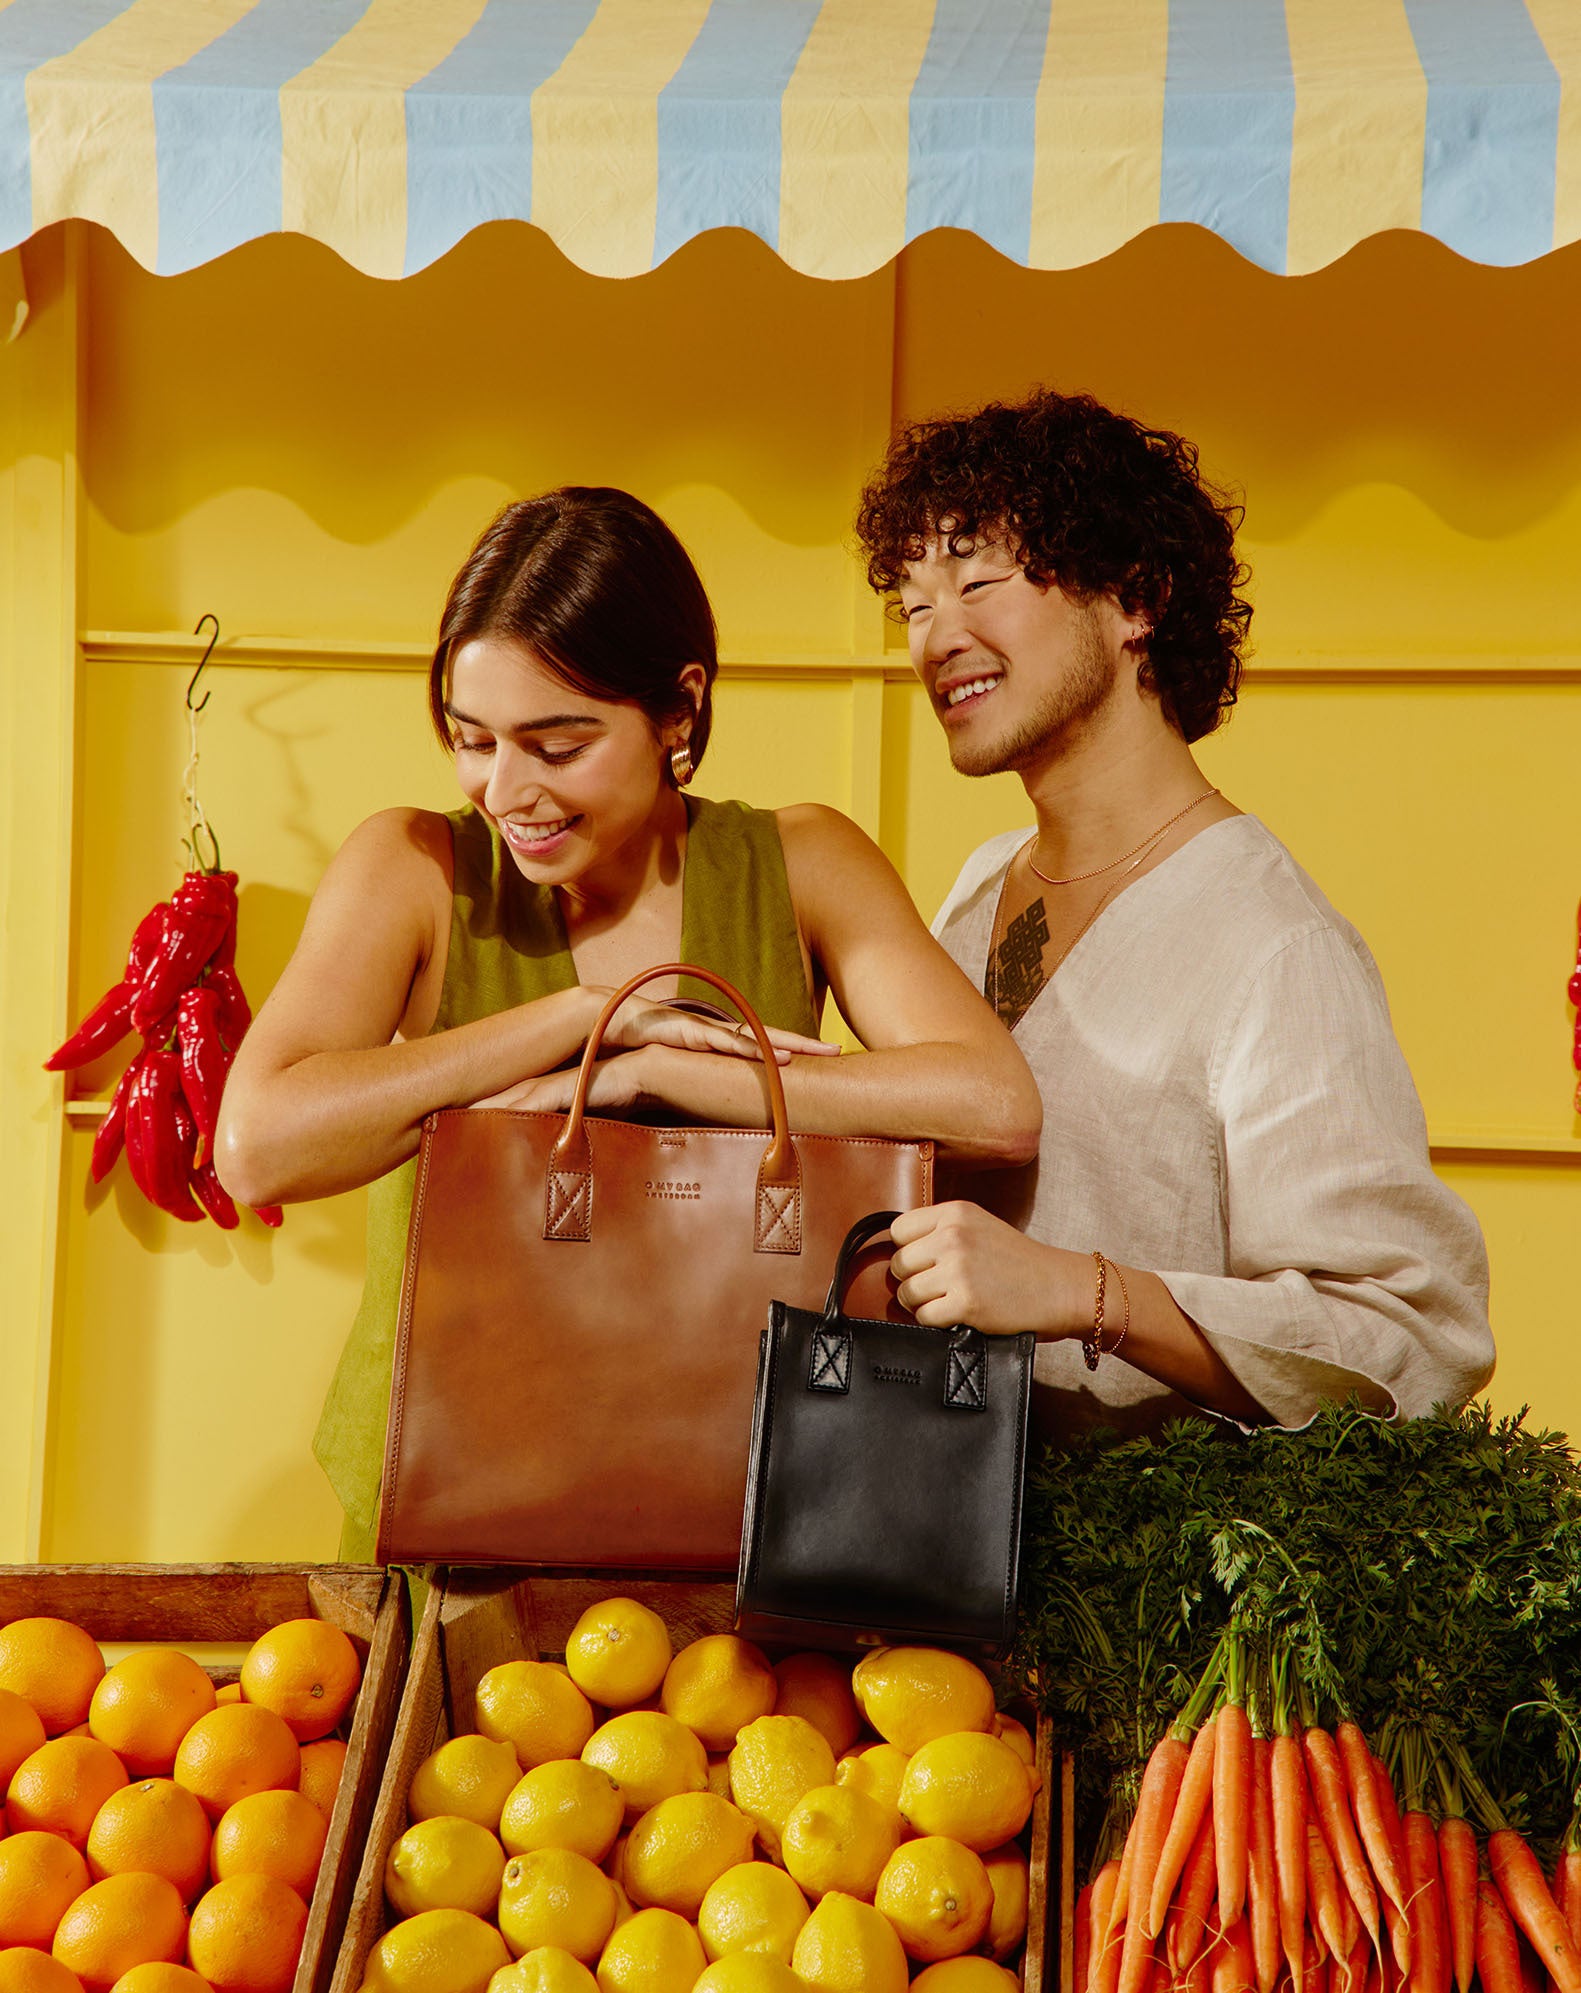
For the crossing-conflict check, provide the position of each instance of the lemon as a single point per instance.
(838, 1838)
(719, 1774)
(965, 1975)
(469, 1775)
(444, 1863)
(877, 1771)
(753, 1907)
(819, 1687)
(776, 1761)
(649, 1756)
(563, 1804)
(553, 1897)
(1009, 1731)
(846, 1947)
(749, 1972)
(1010, 1880)
(545, 1969)
(681, 1846)
(656, 1952)
(910, 1694)
(617, 1652)
(625, 1909)
(438, 1951)
(968, 1785)
(536, 1708)
(718, 1684)
(937, 1895)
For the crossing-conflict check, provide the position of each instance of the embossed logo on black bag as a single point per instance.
(895, 1373)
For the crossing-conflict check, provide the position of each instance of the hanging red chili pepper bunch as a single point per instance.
(182, 996)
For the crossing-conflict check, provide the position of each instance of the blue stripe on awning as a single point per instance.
(469, 122)
(33, 32)
(719, 122)
(217, 127)
(1229, 116)
(1492, 128)
(974, 121)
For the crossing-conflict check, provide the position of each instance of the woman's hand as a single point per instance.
(641, 1022)
(959, 1263)
(617, 1084)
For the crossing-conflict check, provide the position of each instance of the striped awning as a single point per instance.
(836, 130)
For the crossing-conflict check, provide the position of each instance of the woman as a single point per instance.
(460, 960)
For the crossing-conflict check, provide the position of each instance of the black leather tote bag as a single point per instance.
(884, 1490)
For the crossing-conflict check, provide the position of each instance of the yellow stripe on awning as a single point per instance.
(845, 126)
(343, 129)
(90, 116)
(1100, 129)
(595, 126)
(1558, 22)
(1360, 126)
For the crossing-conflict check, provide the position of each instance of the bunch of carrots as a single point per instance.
(1269, 1852)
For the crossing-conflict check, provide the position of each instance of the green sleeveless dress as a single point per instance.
(508, 946)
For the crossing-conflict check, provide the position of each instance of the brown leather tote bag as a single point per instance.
(577, 1344)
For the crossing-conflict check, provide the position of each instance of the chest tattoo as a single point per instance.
(1016, 966)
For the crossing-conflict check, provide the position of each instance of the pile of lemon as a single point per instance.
(706, 1822)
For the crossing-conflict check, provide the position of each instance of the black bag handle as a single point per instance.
(829, 1359)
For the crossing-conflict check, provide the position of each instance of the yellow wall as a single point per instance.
(308, 453)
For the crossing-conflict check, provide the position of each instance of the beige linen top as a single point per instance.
(1225, 1104)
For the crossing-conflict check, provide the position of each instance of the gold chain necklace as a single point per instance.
(1098, 871)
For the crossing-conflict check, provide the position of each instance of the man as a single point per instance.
(1233, 1207)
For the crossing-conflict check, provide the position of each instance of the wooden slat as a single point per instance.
(1038, 1860)
(184, 1601)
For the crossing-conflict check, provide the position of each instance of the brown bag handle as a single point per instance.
(568, 1202)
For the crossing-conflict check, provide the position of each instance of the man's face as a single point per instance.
(1014, 671)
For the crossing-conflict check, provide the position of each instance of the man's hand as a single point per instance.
(959, 1263)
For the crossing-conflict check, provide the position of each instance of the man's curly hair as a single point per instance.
(1089, 500)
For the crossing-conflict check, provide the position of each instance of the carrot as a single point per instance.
(1262, 1893)
(1457, 1864)
(1198, 1888)
(1319, 1971)
(1154, 1807)
(1288, 1784)
(1356, 1761)
(1401, 1918)
(1430, 1960)
(1323, 1895)
(1120, 1903)
(1232, 1807)
(1159, 1980)
(1233, 1971)
(1196, 1789)
(1526, 1895)
(1331, 1804)
(1103, 1943)
(1198, 1976)
(1498, 1953)
(1349, 1975)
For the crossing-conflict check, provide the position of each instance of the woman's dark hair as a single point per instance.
(1089, 500)
(595, 584)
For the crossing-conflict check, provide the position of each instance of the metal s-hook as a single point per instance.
(192, 683)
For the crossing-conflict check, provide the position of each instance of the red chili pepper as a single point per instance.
(202, 908)
(105, 1025)
(233, 1016)
(214, 1197)
(204, 1061)
(111, 1134)
(271, 1214)
(157, 1143)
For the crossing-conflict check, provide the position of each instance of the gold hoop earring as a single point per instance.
(681, 768)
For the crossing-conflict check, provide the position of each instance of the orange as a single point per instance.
(21, 1733)
(307, 1672)
(818, 1687)
(229, 1692)
(62, 1786)
(40, 1876)
(23, 1970)
(159, 1977)
(53, 1665)
(234, 1751)
(125, 1920)
(271, 1833)
(247, 1934)
(154, 1826)
(322, 1764)
(146, 1704)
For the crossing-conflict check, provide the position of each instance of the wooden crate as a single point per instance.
(474, 1620)
(204, 1604)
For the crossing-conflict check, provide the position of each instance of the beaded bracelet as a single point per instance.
(1092, 1346)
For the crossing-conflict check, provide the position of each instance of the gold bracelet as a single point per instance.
(1092, 1346)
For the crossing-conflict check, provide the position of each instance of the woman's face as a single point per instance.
(569, 780)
